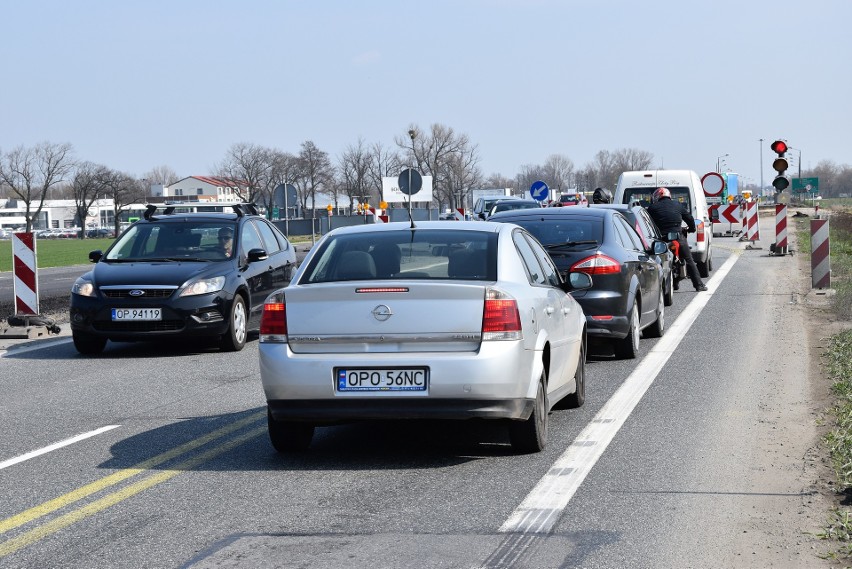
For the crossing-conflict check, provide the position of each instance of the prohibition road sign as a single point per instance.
(412, 176)
(713, 184)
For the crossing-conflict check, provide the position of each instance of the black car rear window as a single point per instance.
(419, 254)
(552, 231)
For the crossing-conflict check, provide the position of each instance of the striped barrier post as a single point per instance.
(25, 280)
(820, 254)
(752, 222)
(781, 229)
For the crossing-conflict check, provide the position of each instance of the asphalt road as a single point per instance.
(692, 455)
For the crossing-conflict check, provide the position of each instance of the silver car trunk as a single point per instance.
(356, 317)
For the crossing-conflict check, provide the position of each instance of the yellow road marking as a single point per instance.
(98, 485)
(83, 512)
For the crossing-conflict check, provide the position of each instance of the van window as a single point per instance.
(643, 195)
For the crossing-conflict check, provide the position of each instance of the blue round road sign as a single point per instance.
(539, 190)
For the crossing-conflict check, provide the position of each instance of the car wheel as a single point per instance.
(235, 338)
(577, 398)
(657, 329)
(289, 436)
(709, 261)
(531, 435)
(628, 347)
(668, 297)
(88, 344)
(703, 268)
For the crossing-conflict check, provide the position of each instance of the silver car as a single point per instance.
(437, 321)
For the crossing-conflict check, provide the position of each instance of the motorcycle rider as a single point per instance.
(668, 215)
(601, 195)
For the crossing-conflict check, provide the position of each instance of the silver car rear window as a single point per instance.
(428, 254)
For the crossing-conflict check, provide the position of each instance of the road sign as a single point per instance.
(539, 190)
(713, 184)
(802, 185)
(412, 176)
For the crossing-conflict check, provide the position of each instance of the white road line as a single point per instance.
(543, 506)
(54, 446)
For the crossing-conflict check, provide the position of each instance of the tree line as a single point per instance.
(50, 170)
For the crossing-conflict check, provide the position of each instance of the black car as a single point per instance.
(627, 294)
(648, 230)
(178, 275)
(512, 204)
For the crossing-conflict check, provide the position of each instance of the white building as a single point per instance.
(202, 189)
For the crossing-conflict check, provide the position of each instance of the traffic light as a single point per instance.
(780, 164)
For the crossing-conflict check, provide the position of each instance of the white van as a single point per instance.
(685, 186)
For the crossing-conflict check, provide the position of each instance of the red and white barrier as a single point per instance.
(820, 254)
(751, 222)
(25, 273)
(781, 228)
(459, 214)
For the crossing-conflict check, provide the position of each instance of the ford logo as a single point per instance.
(136, 292)
(382, 312)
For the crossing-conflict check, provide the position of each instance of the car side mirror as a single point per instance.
(257, 254)
(95, 256)
(660, 247)
(714, 215)
(577, 281)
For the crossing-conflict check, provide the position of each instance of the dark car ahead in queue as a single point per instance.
(649, 232)
(181, 275)
(627, 296)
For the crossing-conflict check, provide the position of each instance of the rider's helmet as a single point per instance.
(661, 193)
(602, 195)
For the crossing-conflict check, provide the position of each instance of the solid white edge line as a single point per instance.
(54, 446)
(543, 506)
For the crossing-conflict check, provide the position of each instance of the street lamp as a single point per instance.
(718, 162)
(413, 134)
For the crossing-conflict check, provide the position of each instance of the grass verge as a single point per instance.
(837, 365)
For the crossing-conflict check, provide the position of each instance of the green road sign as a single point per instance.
(801, 185)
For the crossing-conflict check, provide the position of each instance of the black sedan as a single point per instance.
(627, 295)
(649, 232)
(181, 275)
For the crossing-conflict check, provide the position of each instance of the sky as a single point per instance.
(138, 85)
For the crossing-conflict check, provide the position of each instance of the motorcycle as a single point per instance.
(678, 264)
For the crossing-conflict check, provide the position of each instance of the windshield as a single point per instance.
(186, 240)
(419, 254)
(643, 195)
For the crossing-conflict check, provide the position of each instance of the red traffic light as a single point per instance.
(779, 147)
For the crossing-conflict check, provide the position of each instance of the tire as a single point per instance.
(289, 436)
(234, 339)
(709, 262)
(668, 296)
(87, 344)
(577, 398)
(628, 347)
(531, 435)
(658, 328)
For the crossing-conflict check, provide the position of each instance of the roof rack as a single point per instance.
(241, 209)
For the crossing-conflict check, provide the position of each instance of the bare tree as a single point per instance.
(285, 170)
(249, 167)
(558, 171)
(317, 172)
(383, 163)
(354, 170)
(163, 175)
(88, 186)
(124, 190)
(461, 174)
(630, 159)
(30, 173)
(432, 152)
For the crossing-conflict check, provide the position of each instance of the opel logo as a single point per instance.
(136, 292)
(382, 312)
